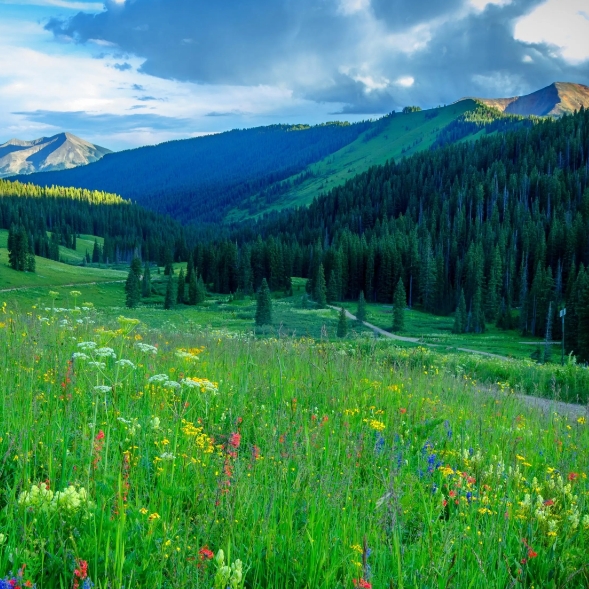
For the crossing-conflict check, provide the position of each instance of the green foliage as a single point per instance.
(410, 109)
(264, 305)
(170, 297)
(181, 287)
(320, 289)
(146, 281)
(132, 289)
(460, 315)
(361, 313)
(399, 304)
(342, 323)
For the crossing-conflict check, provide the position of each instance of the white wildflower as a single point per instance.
(87, 346)
(102, 388)
(105, 353)
(97, 364)
(158, 378)
(146, 348)
(167, 456)
(79, 356)
(125, 363)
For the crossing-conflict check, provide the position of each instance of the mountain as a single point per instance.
(555, 100)
(60, 152)
(244, 173)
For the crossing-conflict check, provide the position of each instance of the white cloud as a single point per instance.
(68, 4)
(482, 4)
(563, 23)
(405, 81)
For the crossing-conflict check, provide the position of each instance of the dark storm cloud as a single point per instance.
(329, 52)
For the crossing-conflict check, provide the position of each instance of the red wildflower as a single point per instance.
(402, 410)
(573, 476)
(235, 439)
(205, 553)
(548, 502)
(362, 583)
(80, 573)
(532, 553)
(452, 493)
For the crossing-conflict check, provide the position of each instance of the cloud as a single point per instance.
(369, 55)
(122, 67)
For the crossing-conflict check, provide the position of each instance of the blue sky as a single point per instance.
(126, 73)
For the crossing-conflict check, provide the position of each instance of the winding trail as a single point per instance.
(546, 406)
(61, 285)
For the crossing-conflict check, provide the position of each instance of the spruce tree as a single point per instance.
(96, 253)
(146, 281)
(192, 289)
(331, 294)
(399, 304)
(361, 311)
(169, 300)
(180, 291)
(132, 290)
(264, 305)
(460, 315)
(582, 313)
(136, 267)
(320, 293)
(201, 291)
(342, 323)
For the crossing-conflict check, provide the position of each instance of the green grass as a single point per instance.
(313, 463)
(436, 331)
(84, 244)
(402, 135)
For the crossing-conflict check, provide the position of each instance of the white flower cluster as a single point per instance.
(146, 348)
(79, 356)
(101, 388)
(95, 364)
(158, 379)
(186, 355)
(66, 502)
(123, 362)
(105, 353)
(87, 346)
(203, 384)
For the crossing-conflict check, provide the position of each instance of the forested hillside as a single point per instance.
(503, 223)
(198, 180)
(54, 216)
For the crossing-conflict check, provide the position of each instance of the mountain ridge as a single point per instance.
(62, 151)
(557, 99)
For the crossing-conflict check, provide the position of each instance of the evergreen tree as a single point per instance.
(320, 293)
(136, 267)
(361, 310)
(96, 253)
(460, 315)
(342, 323)
(399, 304)
(132, 289)
(169, 300)
(146, 281)
(332, 294)
(201, 291)
(192, 289)
(180, 291)
(582, 313)
(264, 305)
(477, 318)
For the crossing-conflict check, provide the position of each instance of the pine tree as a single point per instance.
(582, 313)
(332, 294)
(146, 281)
(320, 293)
(342, 324)
(132, 290)
(264, 305)
(201, 291)
(399, 304)
(192, 289)
(460, 315)
(136, 267)
(96, 253)
(181, 287)
(361, 310)
(477, 324)
(169, 300)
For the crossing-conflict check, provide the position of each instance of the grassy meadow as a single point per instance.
(134, 451)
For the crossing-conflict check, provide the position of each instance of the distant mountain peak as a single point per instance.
(46, 154)
(555, 100)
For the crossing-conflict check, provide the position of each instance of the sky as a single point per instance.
(126, 73)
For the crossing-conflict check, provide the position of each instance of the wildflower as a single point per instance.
(402, 410)
(581, 420)
(80, 573)
(205, 554)
(105, 353)
(87, 346)
(146, 348)
(102, 388)
(573, 476)
(172, 384)
(167, 456)
(153, 516)
(158, 379)
(361, 583)
(99, 365)
(155, 423)
(79, 356)
(235, 440)
(125, 363)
